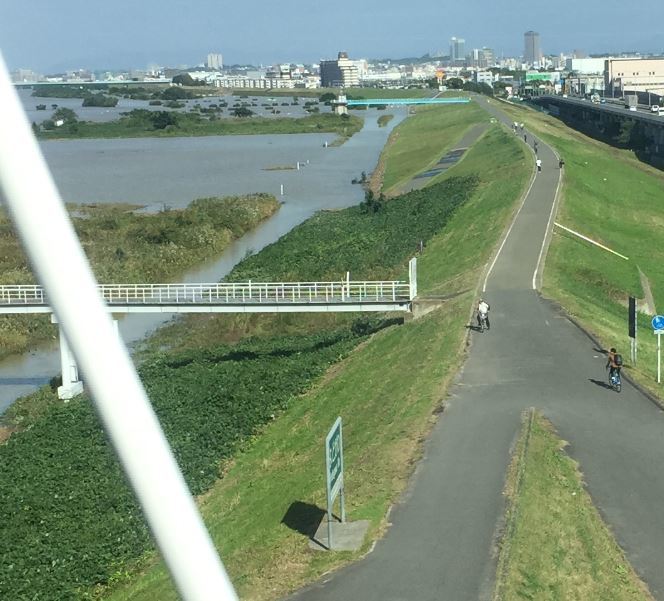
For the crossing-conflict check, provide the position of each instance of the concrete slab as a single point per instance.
(346, 536)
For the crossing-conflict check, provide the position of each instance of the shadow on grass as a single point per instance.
(303, 518)
(285, 346)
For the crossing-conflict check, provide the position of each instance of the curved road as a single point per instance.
(441, 542)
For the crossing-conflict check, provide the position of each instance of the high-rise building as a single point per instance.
(532, 54)
(481, 58)
(457, 49)
(214, 61)
(342, 72)
(489, 57)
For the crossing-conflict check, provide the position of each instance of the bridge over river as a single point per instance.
(404, 101)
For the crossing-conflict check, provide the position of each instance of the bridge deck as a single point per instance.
(407, 101)
(228, 297)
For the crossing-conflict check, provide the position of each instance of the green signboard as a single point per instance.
(334, 468)
(541, 76)
(334, 460)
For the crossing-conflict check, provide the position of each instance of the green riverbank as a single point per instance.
(142, 123)
(387, 390)
(249, 398)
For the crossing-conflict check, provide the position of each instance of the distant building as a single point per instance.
(532, 53)
(634, 75)
(342, 72)
(25, 76)
(484, 77)
(259, 83)
(457, 50)
(489, 57)
(585, 66)
(214, 61)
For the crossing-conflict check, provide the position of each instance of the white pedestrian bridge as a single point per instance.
(240, 297)
(344, 295)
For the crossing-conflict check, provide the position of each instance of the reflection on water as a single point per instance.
(158, 171)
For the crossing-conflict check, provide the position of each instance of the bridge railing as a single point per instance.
(229, 293)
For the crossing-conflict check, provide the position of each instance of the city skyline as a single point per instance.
(51, 38)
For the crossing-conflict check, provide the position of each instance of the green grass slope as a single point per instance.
(421, 140)
(559, 548)
(387, 391)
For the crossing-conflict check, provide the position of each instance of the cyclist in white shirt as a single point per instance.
(483, 309)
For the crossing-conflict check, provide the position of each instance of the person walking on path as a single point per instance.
(535, 147)
(538, 162)
(561, 163)
(525, 138)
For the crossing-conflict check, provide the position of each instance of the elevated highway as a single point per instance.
(640, 131)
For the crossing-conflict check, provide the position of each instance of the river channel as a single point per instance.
(171, 172)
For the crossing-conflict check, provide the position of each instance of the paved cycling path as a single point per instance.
(441, 542)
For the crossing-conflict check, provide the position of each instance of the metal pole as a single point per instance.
(329, 526)
(636, 327)
(659, 358)
(342, 493)
(40, 218)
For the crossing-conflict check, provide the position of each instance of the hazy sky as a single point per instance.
(53, 35)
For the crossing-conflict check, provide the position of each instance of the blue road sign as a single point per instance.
(658, 322)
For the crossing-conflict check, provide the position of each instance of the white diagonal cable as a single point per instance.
(58, 260)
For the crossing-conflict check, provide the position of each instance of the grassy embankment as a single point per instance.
(418, 144)
(129, 247)
(386, 391)
(609, 196)
(144, 124)
(558, 546)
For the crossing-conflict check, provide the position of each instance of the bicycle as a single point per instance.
(483, 319)
(615, 380)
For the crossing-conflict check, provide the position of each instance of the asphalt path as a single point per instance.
(441, 544)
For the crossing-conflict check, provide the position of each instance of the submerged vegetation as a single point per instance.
(140, 123)
(123, 245)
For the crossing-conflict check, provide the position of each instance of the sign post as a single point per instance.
(334, 464)
(658, 326)
(659, 355)
(632, 327)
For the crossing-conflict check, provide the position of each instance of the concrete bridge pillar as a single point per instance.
(412, 276)
(72, 384)
(340, 105)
